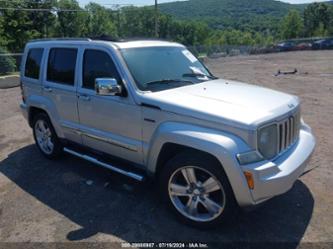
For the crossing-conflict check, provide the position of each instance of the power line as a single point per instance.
(47, 2)
(24, 2)
(55, 9)
(47, 10)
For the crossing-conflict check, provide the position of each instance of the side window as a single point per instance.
(32, 64)
(97, 64)
(61, 65)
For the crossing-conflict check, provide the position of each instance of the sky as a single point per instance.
(151, 2)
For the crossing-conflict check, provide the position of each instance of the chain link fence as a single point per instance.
(10, 62)
(216, 51)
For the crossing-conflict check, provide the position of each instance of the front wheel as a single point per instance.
(197, 190)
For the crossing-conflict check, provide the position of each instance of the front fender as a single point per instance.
(222, 145)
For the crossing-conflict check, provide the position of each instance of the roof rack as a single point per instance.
(100, 38)
(105, 38)
(61, 39)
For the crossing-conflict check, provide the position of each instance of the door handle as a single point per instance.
(84, 97)
(48, 89)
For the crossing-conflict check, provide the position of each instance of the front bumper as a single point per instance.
(277, 177)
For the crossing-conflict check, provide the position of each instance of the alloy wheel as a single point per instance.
(196, 193)
(44, 137)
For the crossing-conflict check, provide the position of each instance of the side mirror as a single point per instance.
(107, 87)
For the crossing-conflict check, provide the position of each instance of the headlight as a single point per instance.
(267, 141)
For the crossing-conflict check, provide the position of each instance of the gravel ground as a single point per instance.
(72, 200)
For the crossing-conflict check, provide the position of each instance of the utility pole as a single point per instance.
(118, 18)
(156, 19)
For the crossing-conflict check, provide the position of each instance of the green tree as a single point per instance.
(165, 25)
(7, 63)
(100, 21)
(18, 28)
(137, 22)
(71, 23)
(42, 21)
(292, 25)
(318, 18)
(330, 23)
(3, 41)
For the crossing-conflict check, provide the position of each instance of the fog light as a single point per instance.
(249, 179)
(249, 157)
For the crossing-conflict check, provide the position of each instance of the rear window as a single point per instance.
(32, 65)
(61, 65)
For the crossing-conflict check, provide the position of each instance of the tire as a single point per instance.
(191, 199)
(45, 137)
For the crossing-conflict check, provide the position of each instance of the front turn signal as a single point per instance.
(249, 179)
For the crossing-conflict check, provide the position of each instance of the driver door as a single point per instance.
(111, 124)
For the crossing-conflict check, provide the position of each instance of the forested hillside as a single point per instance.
(258, 15)
(194, 22)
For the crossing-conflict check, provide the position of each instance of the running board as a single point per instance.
(105, 165)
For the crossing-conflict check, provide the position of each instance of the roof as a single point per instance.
(146, 43)
(118, 43)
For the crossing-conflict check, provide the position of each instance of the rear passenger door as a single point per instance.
(59, 87)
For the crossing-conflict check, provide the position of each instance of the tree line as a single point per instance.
(65, 18)
(315, 21)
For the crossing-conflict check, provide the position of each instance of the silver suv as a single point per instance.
(151, 108)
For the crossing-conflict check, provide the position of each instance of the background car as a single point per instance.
(323, 44)
(285, 46)
(303, 46)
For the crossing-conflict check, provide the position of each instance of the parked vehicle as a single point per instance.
(323, 44)
(152, 109)
(286, 46)
(303, 46)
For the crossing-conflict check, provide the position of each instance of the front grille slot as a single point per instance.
(288, 130)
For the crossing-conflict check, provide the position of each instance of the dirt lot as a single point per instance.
(45, 201)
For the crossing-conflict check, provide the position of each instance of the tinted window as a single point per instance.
(61, 65)
(32, 65)
(97, 64)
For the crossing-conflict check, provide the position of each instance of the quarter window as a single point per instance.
(32, 65)
(97, 64)
(61, 65)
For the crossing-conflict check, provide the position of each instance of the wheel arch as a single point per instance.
(37, 104)
(174, 138)
(33, 111)
(170, 150)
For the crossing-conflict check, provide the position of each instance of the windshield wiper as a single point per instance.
(168, 81)
(199, 75)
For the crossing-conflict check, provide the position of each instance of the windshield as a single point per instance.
(161, 68)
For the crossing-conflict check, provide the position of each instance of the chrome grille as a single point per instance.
(288, 131)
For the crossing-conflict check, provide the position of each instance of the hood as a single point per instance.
(223, 100)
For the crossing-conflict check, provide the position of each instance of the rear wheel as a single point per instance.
(45, 137)
(197, 190)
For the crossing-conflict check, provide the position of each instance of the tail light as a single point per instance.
(22, 92)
